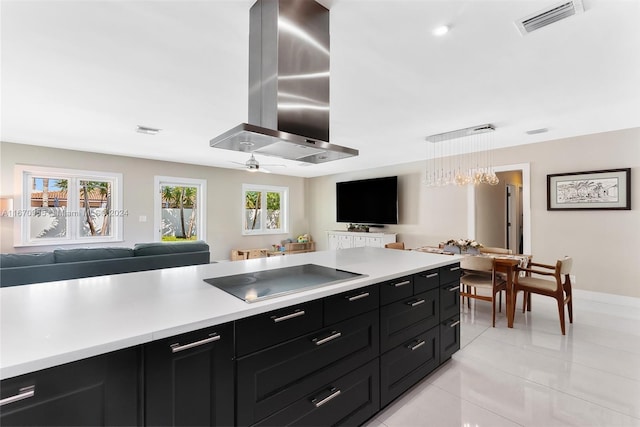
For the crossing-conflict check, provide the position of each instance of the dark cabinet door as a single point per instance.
(449, 300)
(98, 391)
(407, 318)
(407, 364)
(449, 337)
(190, 379)
(274, 378)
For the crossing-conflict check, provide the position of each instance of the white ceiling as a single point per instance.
(83, 74)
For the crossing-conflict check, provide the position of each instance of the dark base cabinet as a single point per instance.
(274, 378)
(407, 364)
(98, 391)
(347, 401)
(189, 379)
(449, 311)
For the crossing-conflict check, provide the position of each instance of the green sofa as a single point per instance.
(64, 264)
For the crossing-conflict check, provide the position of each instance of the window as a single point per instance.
(62, 206)
(264, 209)
(180, 208)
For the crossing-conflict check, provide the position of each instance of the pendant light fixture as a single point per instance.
(461, 157)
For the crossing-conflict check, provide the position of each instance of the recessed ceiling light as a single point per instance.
(536, 131)
(441, 30)
(147, 130)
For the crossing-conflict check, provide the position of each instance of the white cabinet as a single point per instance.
(346, 239)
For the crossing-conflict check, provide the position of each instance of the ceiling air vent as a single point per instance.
(549, 16)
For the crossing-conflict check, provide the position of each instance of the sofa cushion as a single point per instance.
(26, 259)
(161, 248)
(90, 254)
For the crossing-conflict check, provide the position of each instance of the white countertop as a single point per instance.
(48, 324)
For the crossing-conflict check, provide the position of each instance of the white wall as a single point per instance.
(224, 195)
(604, 244)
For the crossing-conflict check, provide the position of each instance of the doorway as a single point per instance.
(521, 230)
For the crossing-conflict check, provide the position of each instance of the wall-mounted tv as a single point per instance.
(368, 201)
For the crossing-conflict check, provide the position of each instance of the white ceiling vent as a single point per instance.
(549, 16)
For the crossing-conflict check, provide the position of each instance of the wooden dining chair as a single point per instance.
(395, 245)
(556, 288)
(479, 272)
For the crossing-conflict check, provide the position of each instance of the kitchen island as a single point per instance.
(51, 324)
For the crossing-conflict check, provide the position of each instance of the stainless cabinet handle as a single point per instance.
(454, 268)
(177, 347)
(23, 393)
(432, 275)
(333, 336)
(456, 323)
(288, 316)
(335, 393)
(415, 303)
(454, 288)
(357, 297)
(406, 282)
(417, 345)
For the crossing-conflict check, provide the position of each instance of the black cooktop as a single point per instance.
(260, 285)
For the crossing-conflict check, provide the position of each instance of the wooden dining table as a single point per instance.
(508, 266)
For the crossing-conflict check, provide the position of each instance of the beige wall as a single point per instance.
(224, 195)
(604, 244)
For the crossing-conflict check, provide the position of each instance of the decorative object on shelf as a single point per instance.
(592, 190)
(358, 228)
(465, 160)
(462, 246)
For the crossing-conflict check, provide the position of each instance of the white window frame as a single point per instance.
(23, 175)
(201, 202)
(284, 209)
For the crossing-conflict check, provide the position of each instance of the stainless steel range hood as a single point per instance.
(288, 85)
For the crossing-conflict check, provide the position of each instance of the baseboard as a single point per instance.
(607, 298)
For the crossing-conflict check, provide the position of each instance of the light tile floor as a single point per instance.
(531, 375)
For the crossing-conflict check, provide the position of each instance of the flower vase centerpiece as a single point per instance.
(463, 246)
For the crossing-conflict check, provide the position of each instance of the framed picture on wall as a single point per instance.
(592, 190)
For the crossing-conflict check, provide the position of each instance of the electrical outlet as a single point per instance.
(142, 218)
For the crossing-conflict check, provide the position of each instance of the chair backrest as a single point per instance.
(395, 245)
(477, 263)
(563, 266)
(493, 250)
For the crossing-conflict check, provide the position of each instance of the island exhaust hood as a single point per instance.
(288, 85)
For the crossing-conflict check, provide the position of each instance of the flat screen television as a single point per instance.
(368, 201)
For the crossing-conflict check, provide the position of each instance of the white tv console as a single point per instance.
(350, 239)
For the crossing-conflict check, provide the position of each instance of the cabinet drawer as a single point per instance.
(348, 400)
(449, 337)
(449, 300)
(426, 281)
(450, 273)
(407, 318)
(271, 379)
(264, 330)
(349, 304)
(396, 289)
(407, 364)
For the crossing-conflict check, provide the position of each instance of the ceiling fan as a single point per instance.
(252, 165)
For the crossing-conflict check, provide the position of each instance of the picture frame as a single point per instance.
(591, 190)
